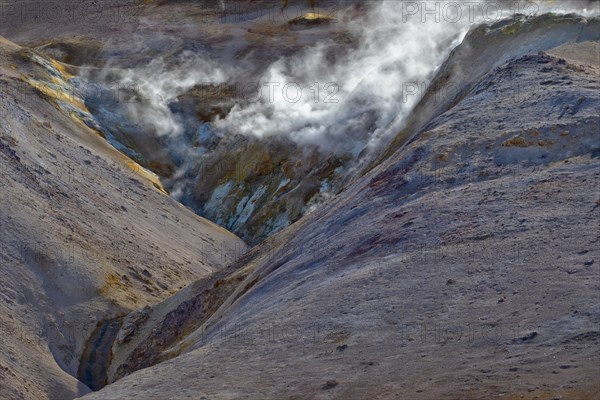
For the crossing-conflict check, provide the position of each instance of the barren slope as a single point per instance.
(466, 266)
(86, 233)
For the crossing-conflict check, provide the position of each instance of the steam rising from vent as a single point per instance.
(340, 100)
(348, 100)
(157, 85)
(360, 96)
(321, 96)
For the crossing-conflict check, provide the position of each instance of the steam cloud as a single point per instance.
(323, 95)
(158, 85)
(359, 97)
(314, 99)
(340, 100)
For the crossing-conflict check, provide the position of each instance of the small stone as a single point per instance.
(341, 348)
(529, 335)
(330, 384)
(572, 271)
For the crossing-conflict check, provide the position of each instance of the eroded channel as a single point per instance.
(96, 357)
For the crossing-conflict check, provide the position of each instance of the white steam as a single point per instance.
(344, 99)
(160, 83)
(354, 97)
(341, 100)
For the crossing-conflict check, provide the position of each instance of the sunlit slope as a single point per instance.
(86, 233)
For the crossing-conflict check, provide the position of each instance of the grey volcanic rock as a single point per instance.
(130, 325)
(455, 269)
(86, 233)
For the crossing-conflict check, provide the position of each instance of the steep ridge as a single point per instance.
(482, 50)
(86, 233)
(473, 245)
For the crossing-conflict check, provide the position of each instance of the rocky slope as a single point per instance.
(86, 233)
(473, 245)
(471, 241)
